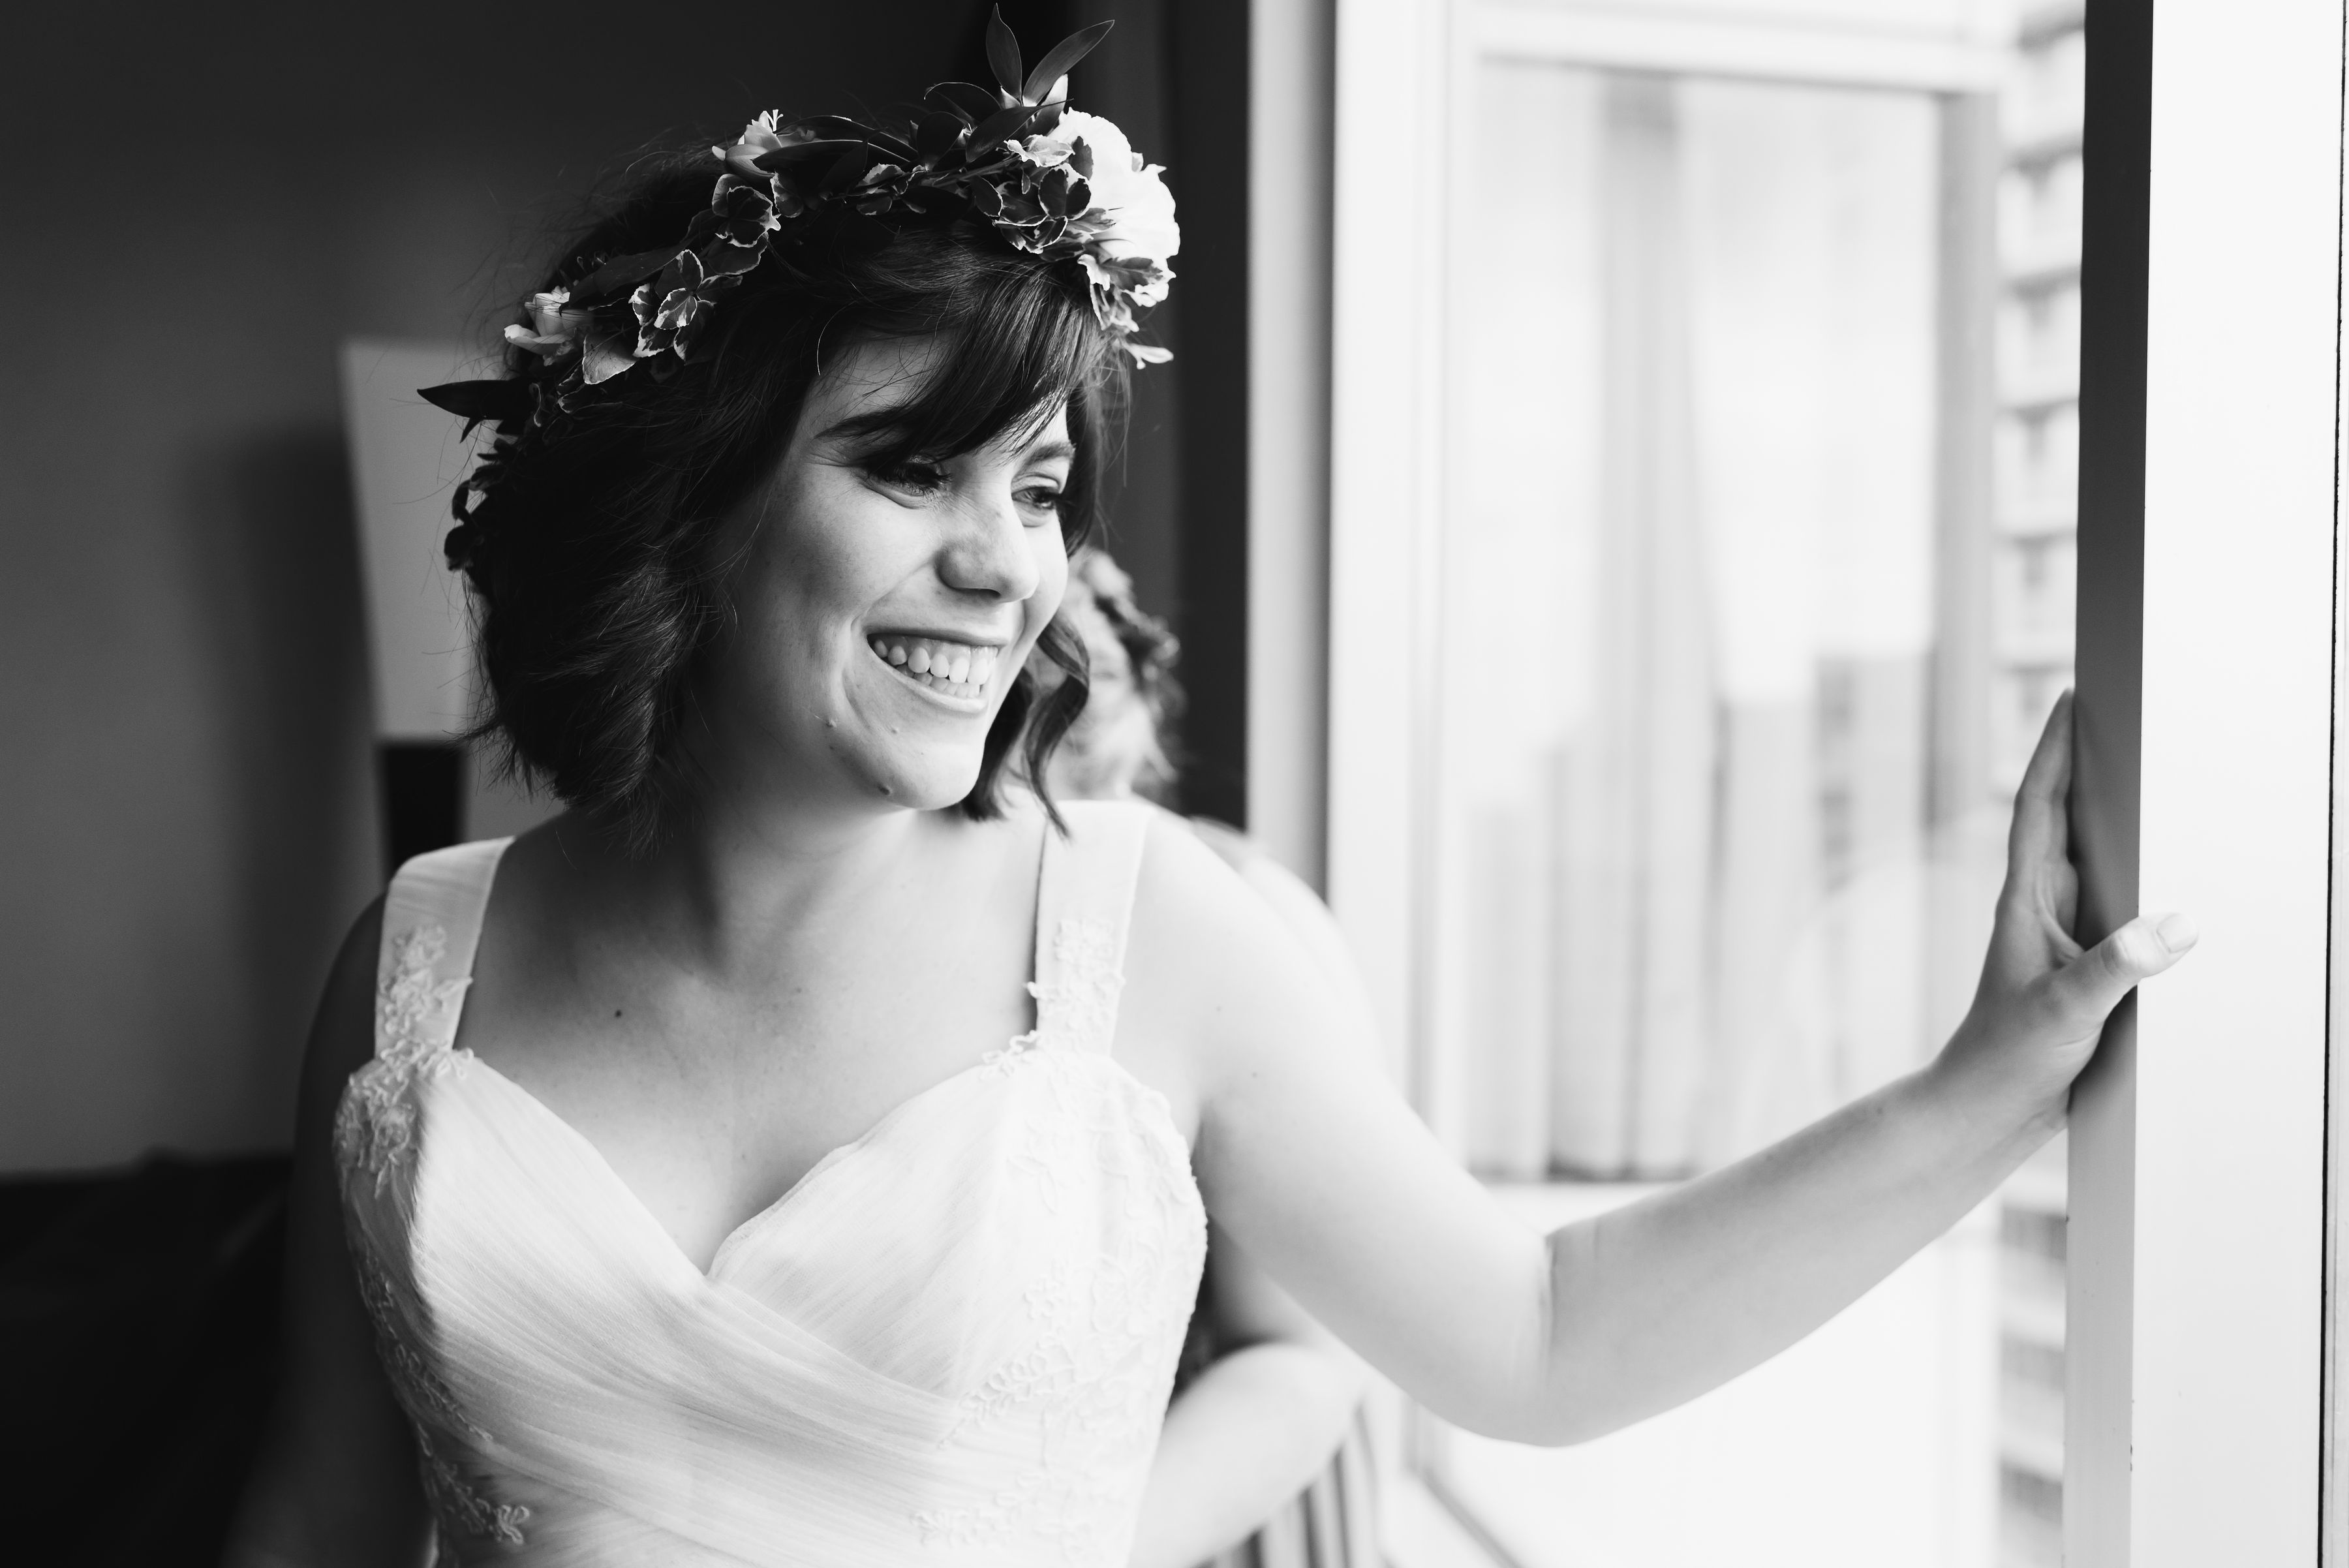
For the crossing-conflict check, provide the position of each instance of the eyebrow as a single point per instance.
(1047, 452)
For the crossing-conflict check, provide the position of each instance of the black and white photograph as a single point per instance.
(1174, 784)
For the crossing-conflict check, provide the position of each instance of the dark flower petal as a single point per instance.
(986, 198)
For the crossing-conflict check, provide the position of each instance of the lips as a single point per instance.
(964, 670)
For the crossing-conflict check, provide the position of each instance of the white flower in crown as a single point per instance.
(1131, 218)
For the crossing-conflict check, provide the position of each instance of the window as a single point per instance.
(1706, 452)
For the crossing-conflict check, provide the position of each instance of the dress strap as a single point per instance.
(431, 926)
(1084, 905)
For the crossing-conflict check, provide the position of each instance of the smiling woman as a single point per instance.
(596, 543)
(803, 1150)
(883, 600)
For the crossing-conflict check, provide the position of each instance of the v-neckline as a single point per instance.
(831, 1159)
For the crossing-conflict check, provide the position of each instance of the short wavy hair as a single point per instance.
(590, 540)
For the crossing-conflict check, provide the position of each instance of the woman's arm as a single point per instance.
(1264, 1417)
(1255, 1428)
(335, 1480)
(1335, 1187)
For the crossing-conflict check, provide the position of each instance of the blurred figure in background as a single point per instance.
(1116, 751)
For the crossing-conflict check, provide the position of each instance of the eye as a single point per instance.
(913, 475)
(1043, 496)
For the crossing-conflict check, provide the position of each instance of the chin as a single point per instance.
(930, 783)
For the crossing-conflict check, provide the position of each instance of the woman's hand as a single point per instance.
(1320, 1172)
(2043, 1001)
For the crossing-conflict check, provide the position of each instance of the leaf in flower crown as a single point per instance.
(618, 275)
(606, 353)
(794, 156)
(1003, 52)
(1062, 60)
(1003, 125)
(843, 173)
(879, 188)
(938, 136)
(730, 258)
(503, 401)
(834, 127)
(973, 103)
(742, 214)
(986, 198)
(1145, 353)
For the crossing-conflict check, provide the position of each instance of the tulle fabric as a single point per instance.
(951, 1343)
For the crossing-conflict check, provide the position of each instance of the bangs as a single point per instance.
(1015, 344)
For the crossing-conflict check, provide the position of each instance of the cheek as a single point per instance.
(1051, 581)
(824, 558)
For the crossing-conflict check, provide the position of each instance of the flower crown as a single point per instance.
(1052, 182)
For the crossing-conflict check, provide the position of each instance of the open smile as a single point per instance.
(958, 671)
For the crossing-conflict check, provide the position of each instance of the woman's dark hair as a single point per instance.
(591, 539)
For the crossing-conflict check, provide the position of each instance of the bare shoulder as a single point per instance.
(1213, 969)
(341, 1037)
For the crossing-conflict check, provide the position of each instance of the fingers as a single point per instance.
(2041, 831)
(2094, 983)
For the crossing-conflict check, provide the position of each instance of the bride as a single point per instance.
(803, 1150)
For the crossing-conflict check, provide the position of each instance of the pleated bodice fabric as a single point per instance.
(951, 1342)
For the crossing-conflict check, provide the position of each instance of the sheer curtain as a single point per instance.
(1686, 884)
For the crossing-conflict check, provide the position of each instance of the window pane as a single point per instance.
(1756, 585)
(1689, 621)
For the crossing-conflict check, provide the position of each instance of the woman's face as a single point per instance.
(882, 612)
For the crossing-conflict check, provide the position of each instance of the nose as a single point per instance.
(990, 552)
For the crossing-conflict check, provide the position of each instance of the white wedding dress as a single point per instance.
(951, 1343)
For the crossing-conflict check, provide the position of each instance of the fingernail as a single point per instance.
(2177, 933)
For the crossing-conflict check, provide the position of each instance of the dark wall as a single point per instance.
(197, 210)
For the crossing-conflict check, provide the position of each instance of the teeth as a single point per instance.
(957, 667)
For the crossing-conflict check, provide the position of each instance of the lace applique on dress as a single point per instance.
(1080, 1010)
(457, 1502)
(420, 1390)
(1093, 1383)
(375, 1126)
(1091, 1380)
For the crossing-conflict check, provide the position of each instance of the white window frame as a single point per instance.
(2198, 1311)
(2199, 1266)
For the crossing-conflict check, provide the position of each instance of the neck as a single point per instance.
(739, 872)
